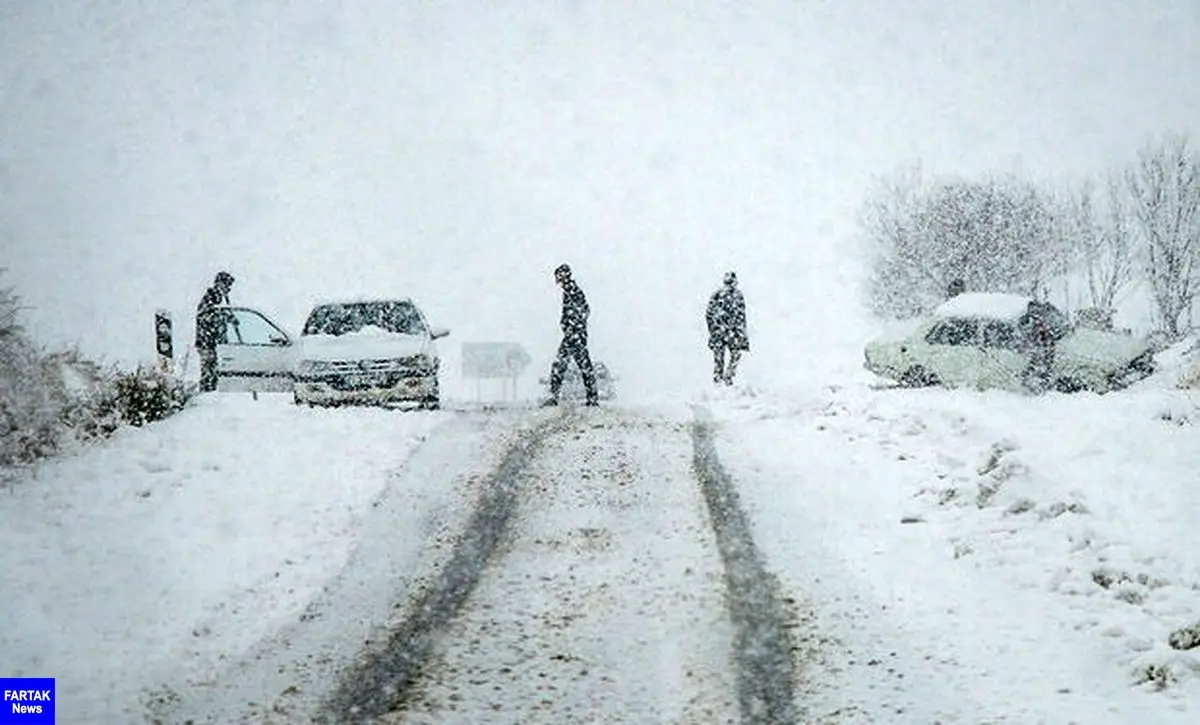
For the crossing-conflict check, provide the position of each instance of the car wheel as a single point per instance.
(918, 377)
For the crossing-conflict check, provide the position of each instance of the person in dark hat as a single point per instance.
(211, 324)
(727, 338)
(574, 345)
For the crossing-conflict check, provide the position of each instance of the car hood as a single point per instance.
(363, 346)
(898, 331)
(1104, 347)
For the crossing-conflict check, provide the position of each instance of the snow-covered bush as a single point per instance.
(1191, 379)
(1189, 364)
(146, 395)
(48, 400)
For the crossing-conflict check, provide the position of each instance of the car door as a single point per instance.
(954, 352)
(1002, 364)
(256, 355)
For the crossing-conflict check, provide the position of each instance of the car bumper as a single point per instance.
(332, 392)
(880, 369)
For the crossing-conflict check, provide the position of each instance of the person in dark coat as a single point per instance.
(211, 326)
(726, 318)
(1040, 340)
(573, 322)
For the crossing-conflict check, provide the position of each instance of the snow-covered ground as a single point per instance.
(980, 557)
(140, 570)
(954, 556)
(607, 602)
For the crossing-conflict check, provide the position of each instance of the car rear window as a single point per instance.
(399, 317)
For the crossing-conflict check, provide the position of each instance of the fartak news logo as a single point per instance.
(26, 700)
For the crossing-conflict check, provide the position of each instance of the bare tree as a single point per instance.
(994, 235)
(1102, 240)
(888, 224)
(1164, 193)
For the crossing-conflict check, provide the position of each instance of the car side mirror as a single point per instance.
(280, 340)
(438, 332)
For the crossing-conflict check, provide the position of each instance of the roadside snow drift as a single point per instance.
(175, 548)
(980, 557)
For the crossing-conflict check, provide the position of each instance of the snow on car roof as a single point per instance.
(984, 304)
(364, 300)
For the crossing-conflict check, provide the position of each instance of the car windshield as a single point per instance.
(399, 317)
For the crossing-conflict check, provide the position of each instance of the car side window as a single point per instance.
(999, 335)
(247, 327)
(956, 331)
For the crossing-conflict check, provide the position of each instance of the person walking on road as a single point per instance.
(574, 345)
(211, 328)
(727, 338)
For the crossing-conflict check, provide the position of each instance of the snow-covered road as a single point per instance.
(403, 544)
(880, 556)
(606, 601)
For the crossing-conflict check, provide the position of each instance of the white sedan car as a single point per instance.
(352, 352)
(981, 340)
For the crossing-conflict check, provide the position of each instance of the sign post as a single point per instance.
(163, 341)
(503, 361)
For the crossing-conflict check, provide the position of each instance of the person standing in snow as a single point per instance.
(1040, 343)
(726, 318)
(573, 322)
(211, 328)
(956, 287)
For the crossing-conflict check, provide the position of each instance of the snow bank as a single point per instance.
(186, 541)
(983, 554)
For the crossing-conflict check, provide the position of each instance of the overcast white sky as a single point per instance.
(457, 151)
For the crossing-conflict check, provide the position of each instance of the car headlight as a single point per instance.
(312, 368)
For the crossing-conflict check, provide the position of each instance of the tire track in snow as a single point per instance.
(376, 684)
(605, 603)
(763, 645)
(402, 542)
